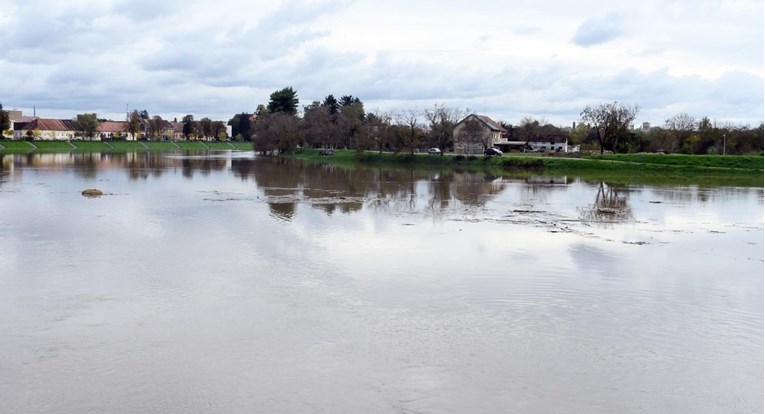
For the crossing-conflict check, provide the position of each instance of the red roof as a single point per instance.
(112, 126)
(51, 125)
(491, 123)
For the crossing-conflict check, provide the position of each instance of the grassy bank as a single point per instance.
(17, 147)
(637, 168)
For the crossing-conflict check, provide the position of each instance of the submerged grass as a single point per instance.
(654, 169)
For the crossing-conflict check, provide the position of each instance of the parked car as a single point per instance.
(492, 152)
(434, 151)
(327, 151)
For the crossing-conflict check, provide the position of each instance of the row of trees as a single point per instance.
(344, 123)
(608, 127)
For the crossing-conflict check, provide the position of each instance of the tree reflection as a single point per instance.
(610, 205)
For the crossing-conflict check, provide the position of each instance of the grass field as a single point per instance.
(192, 145)
(127, 146)
(657, 169)
(52, 146)
(91, 146)
(16, 147)
(752, 162)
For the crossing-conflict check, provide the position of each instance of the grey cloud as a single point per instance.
(599, 30)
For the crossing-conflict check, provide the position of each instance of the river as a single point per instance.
(229, 283)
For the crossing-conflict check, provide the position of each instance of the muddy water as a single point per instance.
(224, 283)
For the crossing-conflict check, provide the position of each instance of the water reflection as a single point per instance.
(296, 280)
(610, 206)
(334, 189)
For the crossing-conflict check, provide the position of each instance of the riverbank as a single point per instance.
(737, 170)
(23, 147)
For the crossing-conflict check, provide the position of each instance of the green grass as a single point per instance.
(19, 146)
(91, 146)
(244, 146)
(52, 146)
(15, 147)
(127, 146)
(705, 170)
(219, 145)
(160, 145)
(191, 145)
(752, 162)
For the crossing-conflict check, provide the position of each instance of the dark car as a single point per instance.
(492, 152)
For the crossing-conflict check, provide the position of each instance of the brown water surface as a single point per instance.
(227, 283)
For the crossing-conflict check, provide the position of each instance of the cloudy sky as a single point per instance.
(506, 59)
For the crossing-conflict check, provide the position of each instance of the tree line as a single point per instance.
(278, 126)
(344, 123)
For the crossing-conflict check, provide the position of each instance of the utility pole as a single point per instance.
(724, 136)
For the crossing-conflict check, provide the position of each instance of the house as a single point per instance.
(551, 143)
(475, 133)
(16, 117)
(177, 131)
(115, 130)
(48, 129)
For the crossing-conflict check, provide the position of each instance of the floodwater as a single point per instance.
(227, 283)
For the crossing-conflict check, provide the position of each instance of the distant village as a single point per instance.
(141, 127)
(146, 128)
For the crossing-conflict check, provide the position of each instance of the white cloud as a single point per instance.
(217, 58)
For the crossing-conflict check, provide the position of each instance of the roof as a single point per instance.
(492, 124)
(177, 127)
(112, 126)
(549, 138)
(495, 126)
(50, 125)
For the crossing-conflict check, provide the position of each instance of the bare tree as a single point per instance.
(442, 120)
(410, 132)
(611, 122)
(530, 128)
(379, 129)
(680, 129)
(278, 131)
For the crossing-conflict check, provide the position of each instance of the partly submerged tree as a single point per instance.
(277, 132)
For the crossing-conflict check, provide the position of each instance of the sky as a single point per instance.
(546, 59)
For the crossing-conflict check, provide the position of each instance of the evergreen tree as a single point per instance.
(284, 100)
